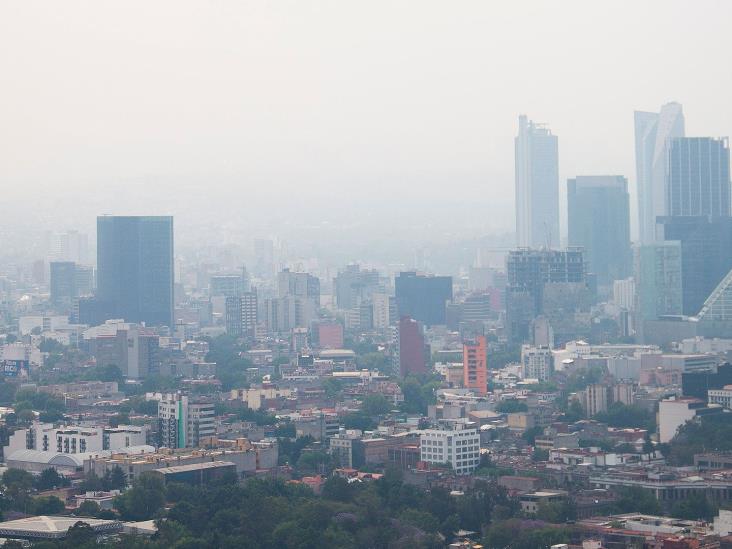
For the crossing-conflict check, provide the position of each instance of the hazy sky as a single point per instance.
(223, 105)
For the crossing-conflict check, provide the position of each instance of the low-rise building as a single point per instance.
(530, 502)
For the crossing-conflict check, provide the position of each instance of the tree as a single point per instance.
(695, 507)
(50, 505)
(117, 479)
(375, 405)
(18, 484)
(49, 479)
(529, 435)
(79, 534)
(511, 405)
(143, 500)
(88, 508)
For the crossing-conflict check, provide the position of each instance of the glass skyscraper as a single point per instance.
(652, 134)
(698, 177)
(135, 268)
(598, 210)
(537, 186)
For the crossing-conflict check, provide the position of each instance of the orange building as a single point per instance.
(475, 366)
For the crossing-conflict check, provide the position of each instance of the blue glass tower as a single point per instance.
(135, 268)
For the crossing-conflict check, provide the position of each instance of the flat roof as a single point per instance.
(51, 527)
(195, 467)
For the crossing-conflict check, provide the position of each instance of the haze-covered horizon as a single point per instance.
(367, 119)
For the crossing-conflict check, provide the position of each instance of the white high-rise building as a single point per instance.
(537, 362)
(537, 186)
(459, 447)
(652, 134)
(624, 293)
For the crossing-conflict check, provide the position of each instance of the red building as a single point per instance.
(412, 352)
(330, 335)
(475, 367)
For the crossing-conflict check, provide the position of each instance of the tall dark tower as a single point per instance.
(135, 268)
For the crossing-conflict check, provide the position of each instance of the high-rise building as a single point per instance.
(423, 297)
(706, 255)
(68, 246)
(657, 273)
(382, 304)
(698, 177)
(133, 349)
(459, 446)
(475, 367)
(70, 281)
(135, 268)
(63, 283)
(264, 262)
(299, 285)
(241, 315)
(354, 285)
(537, 186)
(537, 362)
(529, 274)
(184, 422)
(412, 355)
(652, 134)
(624, 293)
(599, 221)
(226, 285)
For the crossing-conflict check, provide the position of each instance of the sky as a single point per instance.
(398, 112)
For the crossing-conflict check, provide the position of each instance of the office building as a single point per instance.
(459, 447)
(698, 181)
(530, 273)
(537, 186)
(135, 268)
(412, 355)
(184, 422)
(241, 315)
(706, 255)
(354, 285)
(134, 349)
(475, 367)
(264, 261)
(68, 246)
(717, 309)
(328, 335)
(63, 283)
(537, 362)
(384, 310)
(653, 132)
(226, 286)
(674, 412)
(423, 298)
(624, 293)
(657, 269)
(65, 448)
(599, 222)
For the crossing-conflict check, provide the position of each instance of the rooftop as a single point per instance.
(52, 527)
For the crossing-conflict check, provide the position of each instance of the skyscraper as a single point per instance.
(63, 282)
(135, 268)
(533, 278)
(422, 297)
(698, 177)
(537, 186)
(657, 272)
(706, 254)
(652, 134)
(599, 221)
